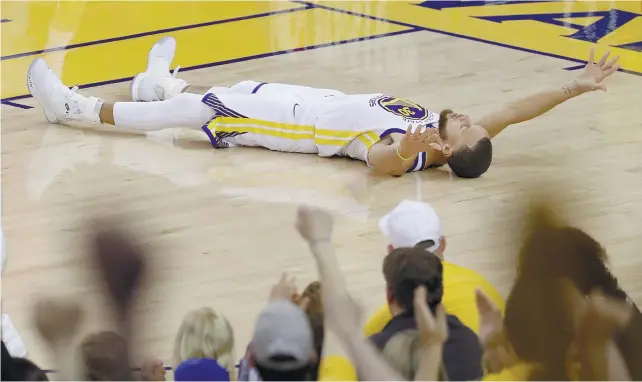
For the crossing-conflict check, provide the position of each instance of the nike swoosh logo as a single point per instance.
(294, 109)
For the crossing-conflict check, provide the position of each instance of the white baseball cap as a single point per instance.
(410, 223)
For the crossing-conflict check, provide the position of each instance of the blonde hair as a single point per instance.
(205, 334)
(402, 353)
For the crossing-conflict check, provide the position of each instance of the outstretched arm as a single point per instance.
(537, 104)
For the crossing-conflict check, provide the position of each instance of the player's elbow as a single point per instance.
(384, 168)
(396, 172)
(384, 160)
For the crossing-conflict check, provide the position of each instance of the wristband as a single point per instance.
(399, 155)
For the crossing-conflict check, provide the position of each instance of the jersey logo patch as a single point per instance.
(402, 108)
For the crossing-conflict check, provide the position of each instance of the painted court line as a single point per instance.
(233, 61)
(154, 32)
(20, 106)
(453, 34)
(575, 67)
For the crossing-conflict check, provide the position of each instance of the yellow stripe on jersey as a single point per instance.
(290, 131)
(369, 138)
(338, 133)
(257, 126)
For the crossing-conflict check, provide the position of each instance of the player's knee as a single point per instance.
(246, 87)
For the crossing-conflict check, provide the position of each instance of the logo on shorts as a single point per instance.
(403, 108)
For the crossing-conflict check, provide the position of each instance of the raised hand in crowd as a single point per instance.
(342, 313)
(284, 289)
(57, 321)
(120, 262)
(433, 332)
(152, 370)
(598, 319)
(498, 352)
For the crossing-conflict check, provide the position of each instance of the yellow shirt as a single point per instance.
(519, 372)
(337, 368)
(459, 299)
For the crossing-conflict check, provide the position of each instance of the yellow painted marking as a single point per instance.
(197, 46)
(49, 24)
(627, 33)
(525, 34)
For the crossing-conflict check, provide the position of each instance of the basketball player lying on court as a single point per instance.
(369, 127)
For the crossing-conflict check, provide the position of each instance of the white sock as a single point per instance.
(182, 110)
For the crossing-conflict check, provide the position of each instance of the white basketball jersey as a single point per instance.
(306, 120)
(372, 117)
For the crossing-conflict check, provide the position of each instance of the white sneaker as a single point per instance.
(157, 83)
(61, 104)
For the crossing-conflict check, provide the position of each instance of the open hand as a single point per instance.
(594, 73)
(599, 317)
(498, 352)
(419, 141)
(285, 289)
(153, 370)
(433, 330)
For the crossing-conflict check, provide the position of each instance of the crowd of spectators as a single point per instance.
(565, 318)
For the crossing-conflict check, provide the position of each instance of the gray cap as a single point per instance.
(282, 329)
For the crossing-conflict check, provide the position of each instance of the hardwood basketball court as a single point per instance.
(221, 222)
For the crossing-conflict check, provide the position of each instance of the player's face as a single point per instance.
(458, 130)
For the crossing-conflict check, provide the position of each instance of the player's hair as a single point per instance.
(472, 162)
(404, 269)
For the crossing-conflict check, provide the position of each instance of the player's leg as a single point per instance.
(266, 88)
(156, 83)
(183, 110)
(64, 105)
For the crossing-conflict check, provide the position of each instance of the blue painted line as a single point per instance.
(151, 33)
(439, 5)
(575, 67)
(351, 13)
(9, 103)
(454, 34)
(242, 59)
